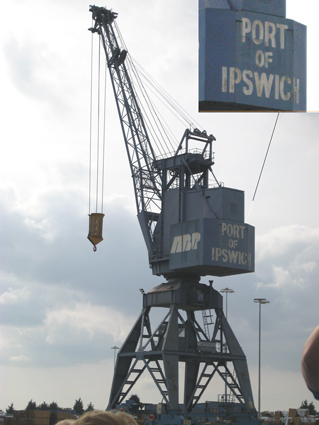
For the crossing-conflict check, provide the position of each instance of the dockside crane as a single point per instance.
(191, 228)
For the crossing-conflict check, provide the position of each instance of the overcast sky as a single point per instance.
(62, 306)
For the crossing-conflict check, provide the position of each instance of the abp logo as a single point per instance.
(185, 242)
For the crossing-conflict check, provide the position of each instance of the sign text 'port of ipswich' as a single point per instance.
(251, 57)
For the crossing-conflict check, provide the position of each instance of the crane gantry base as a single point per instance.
(179, 338)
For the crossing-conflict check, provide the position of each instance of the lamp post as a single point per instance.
(260, 301)
(114, 348)
(226, 291)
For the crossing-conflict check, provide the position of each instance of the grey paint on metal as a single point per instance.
(251, 60)
(123, 362)
(269, 7)
(219, 205)
(221, 247)
(166, 347)
(185, 294)
(170, 360)
(240, 366)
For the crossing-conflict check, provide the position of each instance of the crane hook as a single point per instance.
(94, 248)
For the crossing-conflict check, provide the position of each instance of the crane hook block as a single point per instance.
(95, 228)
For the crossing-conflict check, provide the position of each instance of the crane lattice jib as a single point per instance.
(146, 179)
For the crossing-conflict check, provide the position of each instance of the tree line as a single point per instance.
(32, 405)
(79, 407)
(310, 406)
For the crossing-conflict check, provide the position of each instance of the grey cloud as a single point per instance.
(44, 277)
(32, 69)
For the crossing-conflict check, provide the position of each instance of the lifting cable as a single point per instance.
(98, 127)
(166, 99)
(139, 73)
(97, 174)
(96, 219)
(262, 168)
(91, 94)
(104, 135)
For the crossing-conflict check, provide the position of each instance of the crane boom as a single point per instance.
(187, 224)
(146, 179)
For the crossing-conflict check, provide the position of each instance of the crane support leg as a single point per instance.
(170, 361)
(123, 362)
(177, 339)
(240, 364)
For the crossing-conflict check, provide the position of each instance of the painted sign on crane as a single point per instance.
(250, 57)
(214, 247)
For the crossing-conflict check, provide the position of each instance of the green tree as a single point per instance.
(32, 405)
(54, 406)
(10, 409)
(310, 407)
(43, 406)
(90, 407)
(78, 407)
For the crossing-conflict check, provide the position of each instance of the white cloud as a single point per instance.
(287, 257)
(281, 277)
(281, 241)
(14, 296)
(84, 321)
(47, 228)
(20, 358)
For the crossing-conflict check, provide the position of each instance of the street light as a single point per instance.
(114, 348)
(227, 291)
(260, 301)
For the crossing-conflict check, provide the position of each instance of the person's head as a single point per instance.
(100, 417)
(66, 422)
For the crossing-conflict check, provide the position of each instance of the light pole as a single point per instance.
(226, 291)
(260, 301)
(114, 348)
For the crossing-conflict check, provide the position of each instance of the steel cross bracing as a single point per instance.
(177, 339)
(146, 180)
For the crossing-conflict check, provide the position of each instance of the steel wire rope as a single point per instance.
(156, 123)
(169, 99)
(145, 95)
(262, 168)
(161, 120)
(130, 70)
(104, 136)
(146, 107)
(91, 107)
(263, 165)
(143, 108)
(98, 125)
(159, 95)
(172, 103)
(155, 115)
